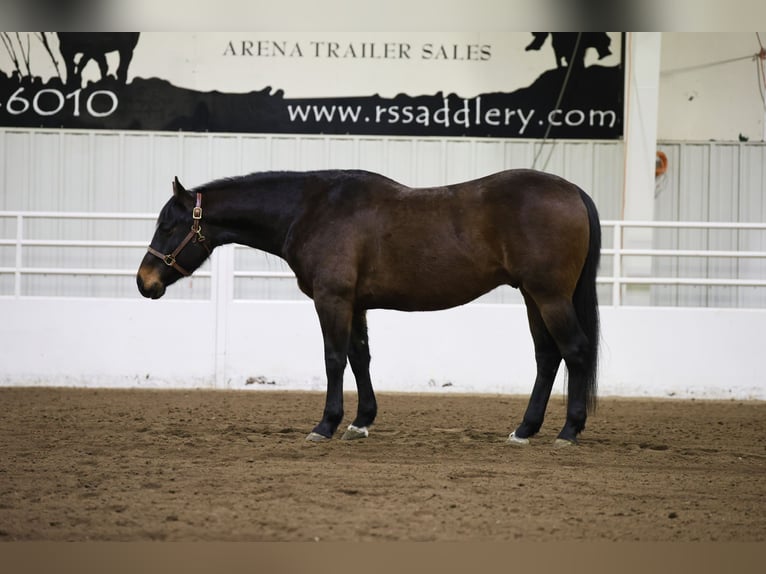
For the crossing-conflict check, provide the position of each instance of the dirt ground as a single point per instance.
(137, 465)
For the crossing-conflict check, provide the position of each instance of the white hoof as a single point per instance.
(316, 437)
(517, 441)
(355, 433)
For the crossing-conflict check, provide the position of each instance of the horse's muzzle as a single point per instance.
(150, 287)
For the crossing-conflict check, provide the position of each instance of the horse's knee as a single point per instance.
(335, 363)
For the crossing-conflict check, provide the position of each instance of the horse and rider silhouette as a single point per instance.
(95, 46)
(566, 46)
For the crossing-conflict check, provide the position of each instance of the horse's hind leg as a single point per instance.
(560, 318)
(548, 359)
(574, 346)
(359, 358)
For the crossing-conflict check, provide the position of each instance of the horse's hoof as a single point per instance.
(316, 437)
(563, 443)
(355, 433)
(517, 441)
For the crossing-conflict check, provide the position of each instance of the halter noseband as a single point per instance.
(194, 235)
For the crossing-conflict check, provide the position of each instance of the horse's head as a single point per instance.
(178, 247)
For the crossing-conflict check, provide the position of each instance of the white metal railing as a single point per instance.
(20, 241)
(618, 252)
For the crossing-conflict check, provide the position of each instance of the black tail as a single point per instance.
(585, 302)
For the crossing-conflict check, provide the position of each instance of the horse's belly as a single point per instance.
(419, 288)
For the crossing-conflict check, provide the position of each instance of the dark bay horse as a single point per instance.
(357, 240)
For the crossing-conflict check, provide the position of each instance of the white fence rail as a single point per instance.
(626, 261)
(618, 279)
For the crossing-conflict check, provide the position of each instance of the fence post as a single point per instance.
(19, 255)
(617, 265)
(222, 294)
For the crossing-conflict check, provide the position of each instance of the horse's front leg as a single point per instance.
(335, 315)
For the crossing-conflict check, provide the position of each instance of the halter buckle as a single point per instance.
(197, 213)
(169, 260)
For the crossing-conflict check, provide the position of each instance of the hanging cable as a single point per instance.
(558, 103)
(760, 70)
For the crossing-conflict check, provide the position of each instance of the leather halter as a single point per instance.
(195, 235)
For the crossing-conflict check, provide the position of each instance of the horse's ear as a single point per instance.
(178, 189)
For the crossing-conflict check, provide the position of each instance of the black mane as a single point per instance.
(281, 177)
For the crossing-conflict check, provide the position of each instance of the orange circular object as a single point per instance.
(661, 164)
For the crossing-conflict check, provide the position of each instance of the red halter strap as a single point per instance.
(194, 235)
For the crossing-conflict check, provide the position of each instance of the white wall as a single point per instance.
(655, 352)
(709, 87)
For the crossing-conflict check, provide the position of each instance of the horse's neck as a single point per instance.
(259, 217)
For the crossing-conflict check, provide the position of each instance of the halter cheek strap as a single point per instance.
(194, 235)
